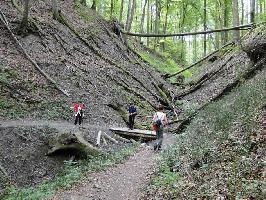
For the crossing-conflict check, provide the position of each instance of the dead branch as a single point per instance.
(108, 137)
(199, 83)
(132, 90)
(121, 138)
(5, 22)
(245, 26)
(97, 51)
(199, 61)
(98, 140)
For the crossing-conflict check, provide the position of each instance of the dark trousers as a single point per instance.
(78, 118)
(131, 121)
(159, 139)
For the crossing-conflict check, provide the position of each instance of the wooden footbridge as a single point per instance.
(135, 133)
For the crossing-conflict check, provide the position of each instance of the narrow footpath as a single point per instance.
(125, 181)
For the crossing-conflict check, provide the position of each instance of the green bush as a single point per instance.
(218, 134)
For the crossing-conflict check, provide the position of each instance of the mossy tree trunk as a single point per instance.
(24, 23)
(93, 7)
(55, 10)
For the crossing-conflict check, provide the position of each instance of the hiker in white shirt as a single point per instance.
(159, 121)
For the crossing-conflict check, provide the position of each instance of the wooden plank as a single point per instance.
(135, 132)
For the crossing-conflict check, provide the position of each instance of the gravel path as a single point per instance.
(125, 181)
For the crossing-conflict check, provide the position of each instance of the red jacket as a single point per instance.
(76, 105)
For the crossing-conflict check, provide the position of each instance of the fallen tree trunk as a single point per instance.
(5, 22)
(132, 90)
(73, 143)
(245, 26)
(199, 61)
(135, 133)
(97, 51)
(199, 83)
(251, 71)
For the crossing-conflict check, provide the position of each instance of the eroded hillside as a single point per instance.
(87, 59)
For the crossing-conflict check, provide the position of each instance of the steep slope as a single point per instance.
(220, 154)
(90, 62)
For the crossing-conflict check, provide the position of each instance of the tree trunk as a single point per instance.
(128, 13)
(157, 21)
(165, 22)
(132, 12)
(148, 21)
(24, 22)
(252, 11)
(205, 28)
(142, 17)
(83, 2)
(236, 20)
(225, 39)
(111, 9)
(103, 7)
(121, 11)
(217, 24)
(242, 12)
(55, 10)
(93, 7)
(174, 35)
(195, 45)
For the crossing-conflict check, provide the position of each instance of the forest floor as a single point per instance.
(125, 181)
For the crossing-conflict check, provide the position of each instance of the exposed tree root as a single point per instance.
(75, 143)
(132, 90)
(5, 22)
(101, 55)
(248, 74)
(120, 110)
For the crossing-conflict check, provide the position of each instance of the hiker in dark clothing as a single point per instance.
(132, 111)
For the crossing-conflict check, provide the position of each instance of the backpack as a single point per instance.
(158, 122)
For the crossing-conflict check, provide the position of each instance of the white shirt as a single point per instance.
(161, 116)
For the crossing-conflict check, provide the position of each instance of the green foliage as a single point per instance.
(231, 119)
(162, 65)
(53, 110)
(6, 75)
(71, 174)
(10, 109)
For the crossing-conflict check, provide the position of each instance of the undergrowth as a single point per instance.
(165, 66)
(213, 157)
(72, 173)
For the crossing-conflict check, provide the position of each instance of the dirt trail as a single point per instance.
(125, 181)
(59, 125)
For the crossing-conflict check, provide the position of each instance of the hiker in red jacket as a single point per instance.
(78, 109)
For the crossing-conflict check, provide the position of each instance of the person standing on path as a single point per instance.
(159, 121)
(132, 112)
(78, 109)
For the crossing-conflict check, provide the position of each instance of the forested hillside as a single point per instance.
(202, 61)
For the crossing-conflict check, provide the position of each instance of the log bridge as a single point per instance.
(144, 135)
